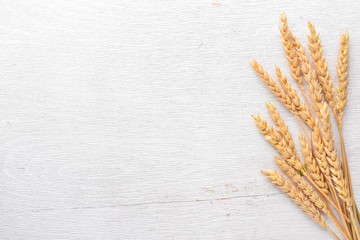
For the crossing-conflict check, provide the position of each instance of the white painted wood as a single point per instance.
(131, 119)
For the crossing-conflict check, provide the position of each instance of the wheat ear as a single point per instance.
(289, 50)
(276, 140)
(289, 90)
(312, 166)
(273, 86)
(341, 184)
(302, 184)
(303, 112)
(321, 66)
(319, 151)
(327, 135)
(300, 107)
(342, 72)
(309, 74)
(281, 126)
(289, 45)
(296, 196)
(331, 155)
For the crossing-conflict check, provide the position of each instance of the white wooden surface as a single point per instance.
(131, 119)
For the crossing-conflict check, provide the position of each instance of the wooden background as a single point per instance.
(131, 119)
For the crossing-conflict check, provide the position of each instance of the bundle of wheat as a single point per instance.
(320, 183)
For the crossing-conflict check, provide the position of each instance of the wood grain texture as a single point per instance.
(131, 119)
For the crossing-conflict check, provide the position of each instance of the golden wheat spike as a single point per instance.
(342, 72)
(327, 135)
(296, 195)
(321, 66)
(300, 181)
(302, 110)
(331, 156)
(270, 134)
(289, 90)
(289, 50)
(319, 151)
(341, 184)
(309, 74)
(300, 107)
(273, 86)
(277, 141)
(282, 128)
(312, 166)
(306, 116)
(285, 33)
